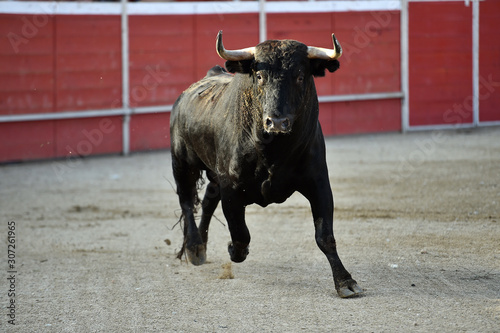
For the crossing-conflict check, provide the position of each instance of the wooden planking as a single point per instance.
(150, 131)
(308, 28)
(88, 62)
(440, 62)
(489, 64)
(327, 119)
(60, 138)
(22, 141)
(81, 80)
(66, 62)
(25, 34)
(371, 59)
(26, 64)
(161, 58)
(89, 98)
(88, 136)
(70, 63)
(360, 117)
(26, 101)
(367, 117)
(440, 69)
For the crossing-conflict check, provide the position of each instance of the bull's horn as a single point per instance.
(235, 55)
(328, 54)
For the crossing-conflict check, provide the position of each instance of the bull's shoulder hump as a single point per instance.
(215, 82)
(217, 70)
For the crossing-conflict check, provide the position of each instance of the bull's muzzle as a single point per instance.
(277, 125)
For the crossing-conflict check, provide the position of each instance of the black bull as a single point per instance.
(257, 136)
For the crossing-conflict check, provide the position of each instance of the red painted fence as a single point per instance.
(57, 63)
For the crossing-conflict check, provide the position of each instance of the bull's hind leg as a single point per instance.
(186, 177)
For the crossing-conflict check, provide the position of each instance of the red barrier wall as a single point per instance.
(73, 62)
(441, 83)
(57, 63)
(489, 61)
(440, 61)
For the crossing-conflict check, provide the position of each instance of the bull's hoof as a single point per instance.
(349, 288)
(197, 254)
(237, 253)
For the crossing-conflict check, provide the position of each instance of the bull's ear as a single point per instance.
(242, 66)
(318, 66)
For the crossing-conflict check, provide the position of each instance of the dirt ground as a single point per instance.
(417, 223)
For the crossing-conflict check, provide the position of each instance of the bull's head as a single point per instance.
(282, 74)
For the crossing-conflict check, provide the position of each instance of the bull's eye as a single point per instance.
(260, 78)
(300, 78)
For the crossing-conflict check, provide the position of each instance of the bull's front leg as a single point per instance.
(234, 212)
(319, 194)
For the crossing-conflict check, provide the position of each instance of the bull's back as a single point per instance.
(204, 95)
(197, 114)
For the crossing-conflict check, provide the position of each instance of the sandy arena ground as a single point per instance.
(417, 223)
